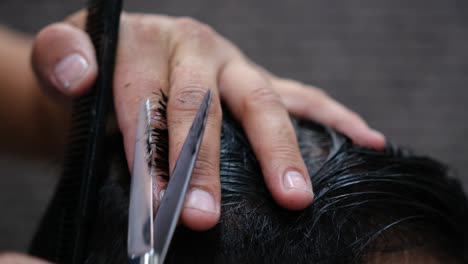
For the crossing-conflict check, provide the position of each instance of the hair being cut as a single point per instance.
(369, 207)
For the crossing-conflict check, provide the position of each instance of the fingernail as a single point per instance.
(293, 180)
(70, 70)
(201, 200)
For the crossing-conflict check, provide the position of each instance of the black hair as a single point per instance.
(367, 203)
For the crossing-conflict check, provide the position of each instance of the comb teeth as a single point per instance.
(96, 22)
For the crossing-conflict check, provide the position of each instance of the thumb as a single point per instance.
(63, 60)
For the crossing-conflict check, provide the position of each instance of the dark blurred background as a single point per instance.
(403, 65)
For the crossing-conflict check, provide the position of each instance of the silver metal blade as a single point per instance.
(171, 205)
(140, 213)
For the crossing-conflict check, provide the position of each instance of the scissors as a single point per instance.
(148, 238)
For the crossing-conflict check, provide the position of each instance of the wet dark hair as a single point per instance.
(367, 203)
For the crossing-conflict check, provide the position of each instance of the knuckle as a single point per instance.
(189, 66)
(194, 30)
(285, 151)
(188, 99)
(205, 171)
(145, 26)
(318, 98)
(186, 22)
(263, 97)
(285, 155)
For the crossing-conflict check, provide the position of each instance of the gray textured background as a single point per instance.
(402, 64)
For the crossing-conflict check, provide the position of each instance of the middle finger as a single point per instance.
(194, 65)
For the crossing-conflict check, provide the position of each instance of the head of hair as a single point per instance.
(370, 207)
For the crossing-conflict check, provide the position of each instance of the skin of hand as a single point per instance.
(15, 258)
(184, 58)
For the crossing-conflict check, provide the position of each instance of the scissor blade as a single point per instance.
(171, 205)
(140, 213)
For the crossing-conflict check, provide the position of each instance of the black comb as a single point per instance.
(62, 237)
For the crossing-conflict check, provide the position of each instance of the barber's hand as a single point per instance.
(185, 58)
(15, 258)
